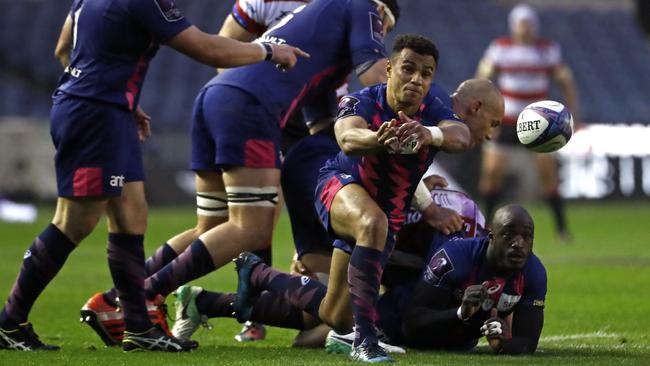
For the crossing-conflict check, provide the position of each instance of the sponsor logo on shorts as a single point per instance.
(28, 253)
(116, 181)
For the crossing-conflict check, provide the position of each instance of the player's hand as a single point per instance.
(435, 181)
(445, 220)
(387, 136)
(496, 331)
(412, 131)
(285, 56)
(473, 297)
(143, 121)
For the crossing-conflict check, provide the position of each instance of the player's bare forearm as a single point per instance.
(232, 29)
(64, 43)
(457, 137)
(224, 52)
(564, 77)
(354, 137)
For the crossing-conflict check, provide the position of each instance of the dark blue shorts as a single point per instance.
(97, 147)
(330, 182)
(231, 128)
(299, 179)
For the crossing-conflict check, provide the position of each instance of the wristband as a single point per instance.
(268, 50)
(437, 137)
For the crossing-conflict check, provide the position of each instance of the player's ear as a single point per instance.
(476, 105)
(380, 10)
(490, 235)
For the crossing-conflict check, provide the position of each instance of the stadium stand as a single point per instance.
(607, 69)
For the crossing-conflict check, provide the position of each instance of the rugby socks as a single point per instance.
(41, 262)
(274, 310)
(126, 263)
(557, 207)
(193, 263)
(364, 274)
(215, 304)
(300, 291)
(163, 255)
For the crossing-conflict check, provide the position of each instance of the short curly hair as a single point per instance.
(417, 43)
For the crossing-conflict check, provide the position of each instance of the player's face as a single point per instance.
(482, 120)
(524, 31)
(512, 242)
(409, 77)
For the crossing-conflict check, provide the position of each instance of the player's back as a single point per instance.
(113, 42)
(338, 34)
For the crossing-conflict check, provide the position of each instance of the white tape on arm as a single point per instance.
(422, 197)
(437, 137)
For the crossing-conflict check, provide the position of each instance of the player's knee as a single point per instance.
(79, 229)
(372, 227)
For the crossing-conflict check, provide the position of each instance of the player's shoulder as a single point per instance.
(467, 249)
(546, 43)
(534, 269)
(438, 95)
(503, 41)
(358, 102)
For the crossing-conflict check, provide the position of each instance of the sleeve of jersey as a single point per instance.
(247, 13)
(160, 17)
(356, 105)
(436, 111)
(366, 34)
(535, 285)
(444, 267)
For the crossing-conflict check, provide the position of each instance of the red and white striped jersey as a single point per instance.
(523, 72)
(256, 16)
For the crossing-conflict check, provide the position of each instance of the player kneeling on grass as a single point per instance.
(492, 286)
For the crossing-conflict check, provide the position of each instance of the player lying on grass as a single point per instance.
(194, 306)
(490, 286)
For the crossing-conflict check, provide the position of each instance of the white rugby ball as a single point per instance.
(544, 126)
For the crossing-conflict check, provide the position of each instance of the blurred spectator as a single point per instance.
(523, 65)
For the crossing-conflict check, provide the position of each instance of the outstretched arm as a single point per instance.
(220, 51)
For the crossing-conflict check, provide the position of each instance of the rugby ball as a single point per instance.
(544, 126)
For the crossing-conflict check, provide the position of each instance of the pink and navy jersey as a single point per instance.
(461, 263)
(113, 42)
(340, 36)
(390, 179)
(256, 16)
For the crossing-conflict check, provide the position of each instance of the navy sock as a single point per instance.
(364, 274)
(193, 263)
(164, 255)
(300, 291)
(273, 309)
(126, 262)
(215, 304)
(41, 262)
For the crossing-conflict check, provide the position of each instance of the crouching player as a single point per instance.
(491, 286)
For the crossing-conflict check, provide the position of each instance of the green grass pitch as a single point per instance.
(597, 313)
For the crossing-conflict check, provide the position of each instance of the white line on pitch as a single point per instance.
(598, 334)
